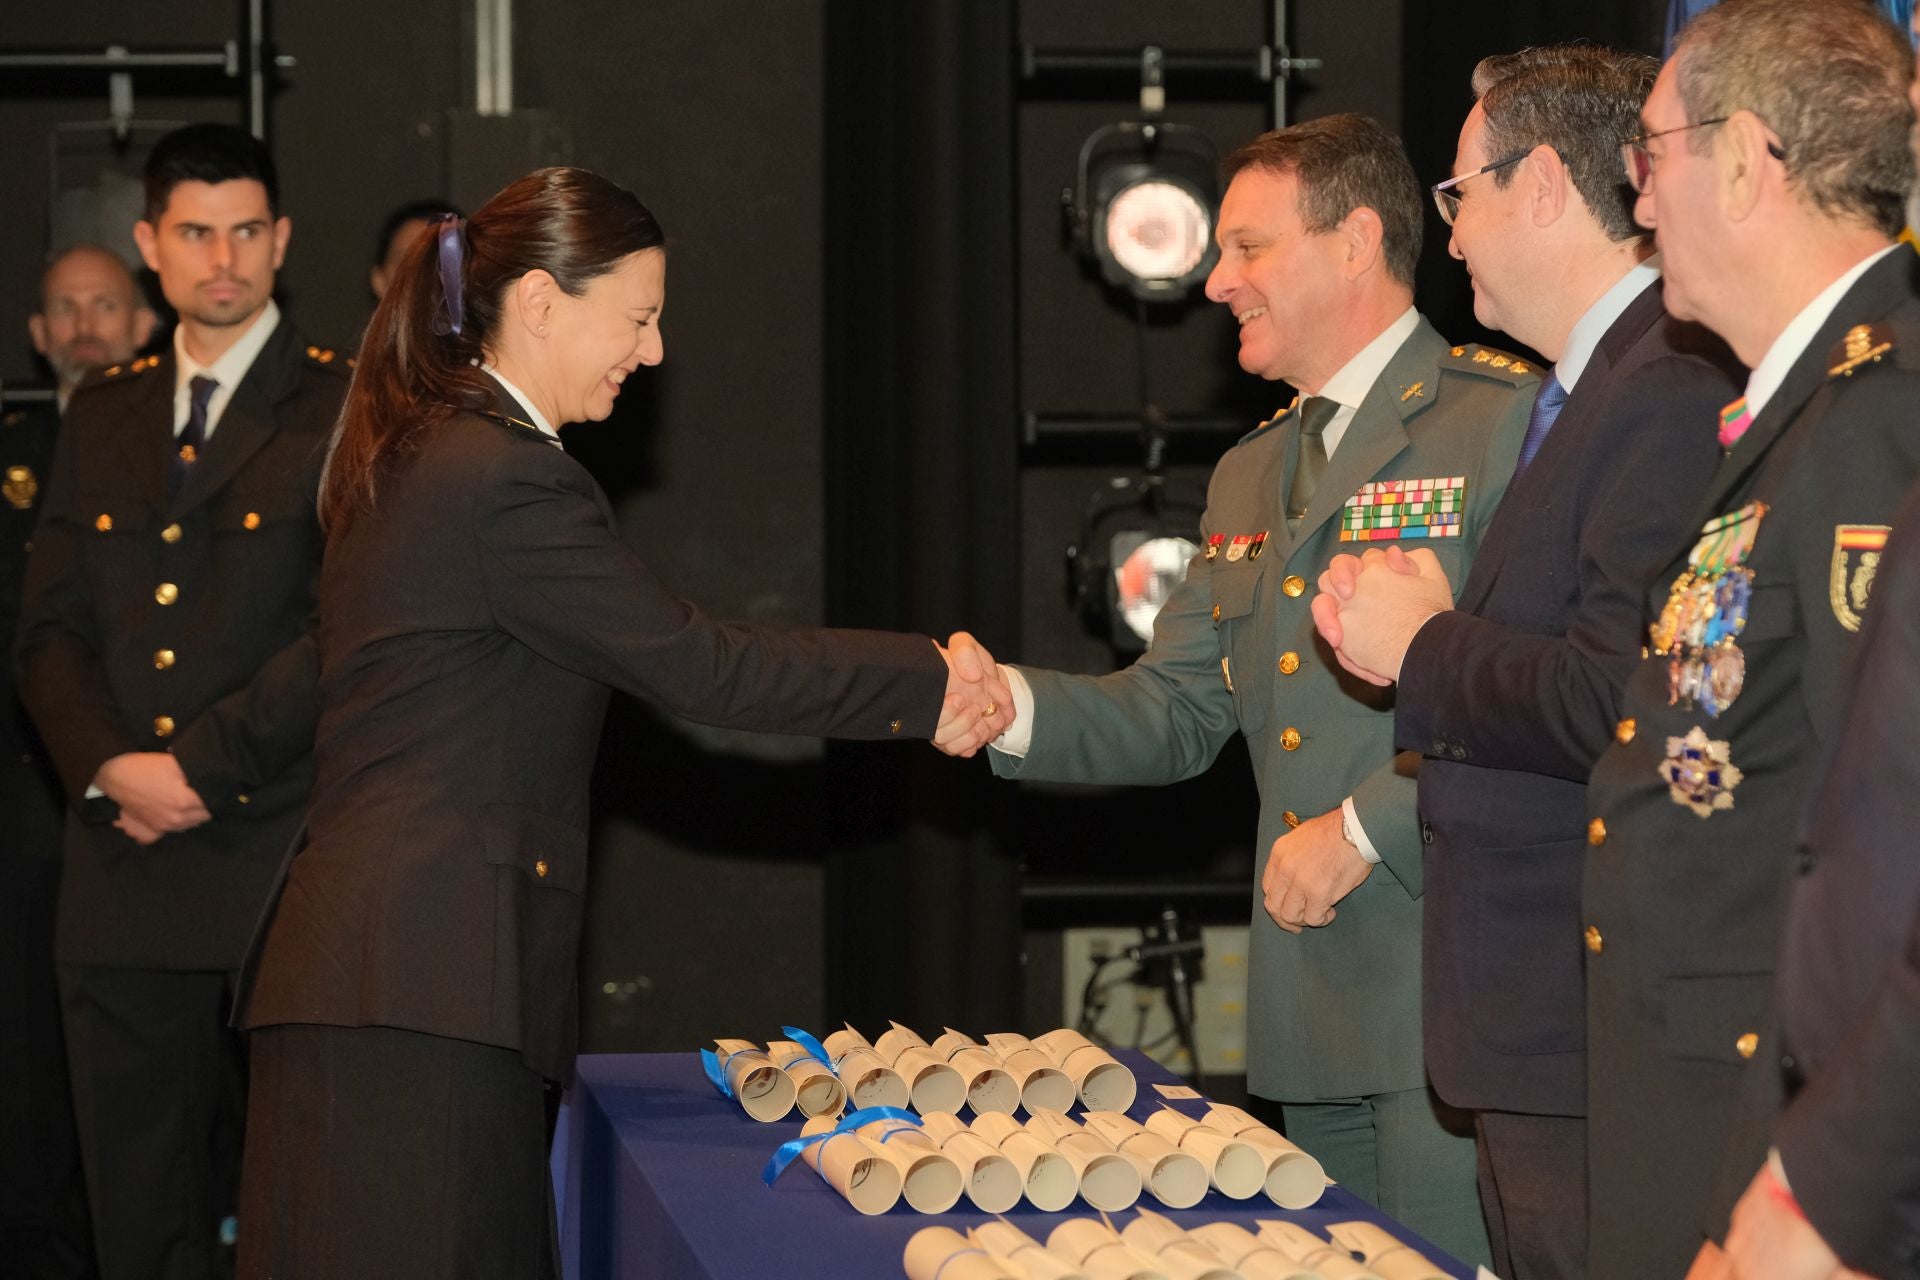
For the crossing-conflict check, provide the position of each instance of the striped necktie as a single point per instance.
(1547, 403)
(1734, 421)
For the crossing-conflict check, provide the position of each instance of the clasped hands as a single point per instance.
(154, 796)
(1370, 606)
(979, 704)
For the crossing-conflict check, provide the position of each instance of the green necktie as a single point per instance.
(1315, 413)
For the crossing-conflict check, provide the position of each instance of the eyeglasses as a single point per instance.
(1637, 159)
(1447, 200)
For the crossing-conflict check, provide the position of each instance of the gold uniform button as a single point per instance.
(244, 798)
(103, 522)
(162, 726)
(540, 868)
(162, 659)
(189, 454)
(1291, 818)
(1289, 663)
(1290, 738)
(1623, 732)
(166, 593)
(1293, 584)
(1216, 613)
(251, 520)
(1597, 832)
(171, 533)
(893, 726)
(1746, 1045)
(1594, 941)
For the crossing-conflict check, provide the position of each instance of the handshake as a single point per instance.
(979, 702)
(1370, 606)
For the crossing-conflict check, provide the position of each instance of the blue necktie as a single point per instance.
(1547, 402)
(193, 436)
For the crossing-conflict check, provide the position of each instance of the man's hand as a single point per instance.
(1772, 1240)
(1369, 607)
(1310, 869)
(153, 794)
(979, 705)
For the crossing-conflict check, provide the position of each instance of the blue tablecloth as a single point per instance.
(657, 1177)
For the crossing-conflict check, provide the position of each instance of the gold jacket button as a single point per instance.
(166, 593)
(162, 659)
(162, 726)
(169, 534)
(244, 798)
(1746, 1045)
(1623, 732)
(251, 520)
(1290, 738)
(103, 522)
(893, 726)
(1291, 818)
(1595, 943)
(1289, 663)
(540, 868)
(1597, 832)
(1216, 613)
(1293, 584)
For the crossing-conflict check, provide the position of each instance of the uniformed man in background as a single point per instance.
(1773, 169)
(90, 315)
(1395, 436)
(165, 656)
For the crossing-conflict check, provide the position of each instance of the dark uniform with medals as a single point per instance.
(43, 1220)
(168, 607)
(1695, 806)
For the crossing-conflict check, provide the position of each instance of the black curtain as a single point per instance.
(922, 904)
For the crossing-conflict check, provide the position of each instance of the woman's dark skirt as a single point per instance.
(377, 1152)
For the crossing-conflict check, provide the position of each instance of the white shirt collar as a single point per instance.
(1348, 387)
(1591, 327)
(1792, 342)
(526, 402)
(228, 370)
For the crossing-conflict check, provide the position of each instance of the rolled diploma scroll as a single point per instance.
(852, 1166)
(992, 1182)
(933, 1085)
(1294, 1178)
(817, 1091)
(929, 1180)
(869, 1081)
(1005, 1240)
(1108, 1180)
(989, 1086)
(761, 1088)
(1103, 1084)
(1177, 1253)
(1236, 1168)
(1384, 1252)
(1176, 1178)
(1049, 1178)
(1248, 1254)
(1041, 1083)
(1098, 1250)
(1329, 1261)
(941, 1253)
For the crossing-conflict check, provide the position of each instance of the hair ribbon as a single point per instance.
(453, 258)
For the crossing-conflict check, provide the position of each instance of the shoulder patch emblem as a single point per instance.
(1864, 344)
(1856, 558)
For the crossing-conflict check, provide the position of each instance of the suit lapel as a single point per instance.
(146, 441)
(247, 423)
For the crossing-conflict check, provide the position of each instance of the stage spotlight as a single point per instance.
(1137, 538)
(1143, 207)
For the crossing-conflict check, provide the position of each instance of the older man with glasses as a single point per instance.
(1512, 694)
(1772, 165)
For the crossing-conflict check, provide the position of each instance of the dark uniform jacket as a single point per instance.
(181, 625)
(472, 624)
(1692, 841)
(29, 792)
(1513, 695)
(1850, 978)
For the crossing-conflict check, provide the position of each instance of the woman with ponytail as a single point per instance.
(412, 989)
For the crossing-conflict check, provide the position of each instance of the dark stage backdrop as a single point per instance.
(867, 288)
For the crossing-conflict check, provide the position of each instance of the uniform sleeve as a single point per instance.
(63, 681)
(256, 733)
(559, 579)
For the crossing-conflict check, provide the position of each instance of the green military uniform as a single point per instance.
(1333, 1013)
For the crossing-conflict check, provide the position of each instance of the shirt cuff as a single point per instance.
(1018, 739)
(1359, 833)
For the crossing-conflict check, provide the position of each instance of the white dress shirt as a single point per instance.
(228, 370)
(1792, 342)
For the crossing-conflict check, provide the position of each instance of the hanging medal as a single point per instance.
(1705, 612)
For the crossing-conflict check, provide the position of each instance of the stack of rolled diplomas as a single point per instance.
(1154, 1247)
(883, 1125)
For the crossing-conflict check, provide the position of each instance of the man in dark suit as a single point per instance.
(90, 315)
(1775, 200)
(165, 656)
(1513, 693)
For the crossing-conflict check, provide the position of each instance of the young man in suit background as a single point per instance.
(1513, 692)
(165, 656)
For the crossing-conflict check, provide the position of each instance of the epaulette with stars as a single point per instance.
(329, 359)
(1488, 362)
(1864, 344)
(121, 372)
